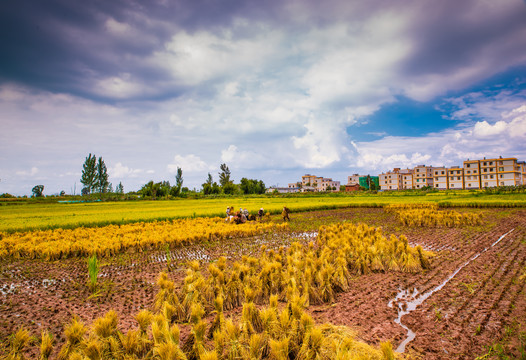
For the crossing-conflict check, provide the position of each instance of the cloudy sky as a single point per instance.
(274, 89)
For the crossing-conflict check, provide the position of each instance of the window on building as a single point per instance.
(491, 176)
(442, 173)
(501, 176)
(436, 185)
(491, 162)
(485, 176)
(469, 185)
(485, 163)
(501, 169)
(458, 177)
(467, 165)
(486, 184)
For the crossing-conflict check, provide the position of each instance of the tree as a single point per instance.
(179, 178)
(38, 190)
(210, 186)
(164, 188)
(101, 182)
(119, 189)
(178, 182)
(150, 189)
(229, 188)
(252, 186)
(89, 174)
(224, 175)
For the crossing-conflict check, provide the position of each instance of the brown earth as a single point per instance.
(464, 314)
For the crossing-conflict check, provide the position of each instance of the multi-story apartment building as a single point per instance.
(397, 179)
(521, 167)
(488, 173)
(455, 176)
(308, 180)
(364, 181)
(354, 179)
(492, 172)
(328, 184)
(390, 180)
(318, 183)
(407, 180)
(422, 176)
(440, 179)
(508, 172)
(472, 174)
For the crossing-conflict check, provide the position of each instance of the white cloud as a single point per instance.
(188, 163)
(120, 171)
(321, 146)
(32, 172)
(247, 159)
(483, 128)
(195, 58)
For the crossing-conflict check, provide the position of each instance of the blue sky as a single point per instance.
(274, 89)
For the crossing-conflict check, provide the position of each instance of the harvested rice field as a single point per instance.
(464, 299)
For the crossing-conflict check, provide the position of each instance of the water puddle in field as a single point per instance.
(187, 255)
(26, 286)
(408, 300)
(433, 247)
(307, 235)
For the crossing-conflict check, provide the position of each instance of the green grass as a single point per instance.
(31, 216)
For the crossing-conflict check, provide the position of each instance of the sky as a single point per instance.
(274, 89)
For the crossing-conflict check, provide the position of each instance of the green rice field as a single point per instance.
(30, 216)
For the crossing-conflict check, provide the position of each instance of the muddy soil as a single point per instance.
(470, 299)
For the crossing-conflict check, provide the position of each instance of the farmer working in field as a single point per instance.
(285, 213)
(261, 212)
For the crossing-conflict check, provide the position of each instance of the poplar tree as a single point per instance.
(89, 174)
(102, 182)
(178, 182)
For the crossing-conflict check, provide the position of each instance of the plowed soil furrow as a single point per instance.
(499, 306)
(427, 281)
(479, 290)
(487, 297)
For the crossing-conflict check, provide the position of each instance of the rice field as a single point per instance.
(357, 281)
(31, 216)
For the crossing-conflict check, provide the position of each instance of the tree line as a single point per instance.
(227, 186)
(95, 179)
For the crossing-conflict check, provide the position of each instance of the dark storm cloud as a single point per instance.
(453, 34)
(58, 45)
